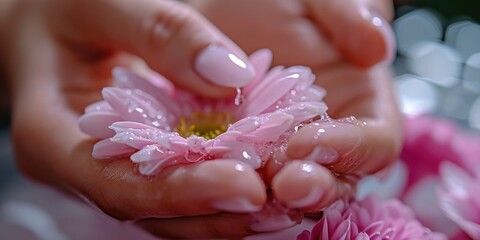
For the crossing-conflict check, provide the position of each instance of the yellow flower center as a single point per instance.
(207, 125)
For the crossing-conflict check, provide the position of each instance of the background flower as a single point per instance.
(436, 177)
(369, 218)
(459, 198)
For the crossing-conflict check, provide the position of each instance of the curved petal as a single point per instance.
(96, 123)
(304, 111)
(99, 106)
(306, 78)
(263, 128)
(342, 232)
(270, 94)
(261, 61)
(311, 94)
(138, 135)
(106, 149)
(128, 79)
(195, 143)
(217, 151)
(152, 159)
(135, 105)
(455, 180)
(253, 90)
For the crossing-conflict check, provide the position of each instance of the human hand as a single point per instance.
(341, 41)
(60, 55)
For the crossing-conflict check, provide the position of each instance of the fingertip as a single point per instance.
(230, 183)
(361, 36)
(186, 190)
(375, 42)
(303, 185)
(223, 67)
(228, 186)
(303, 142)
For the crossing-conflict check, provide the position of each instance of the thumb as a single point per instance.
(358, 29)
(170, 36)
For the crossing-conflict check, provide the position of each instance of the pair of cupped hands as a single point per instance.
(58, 55)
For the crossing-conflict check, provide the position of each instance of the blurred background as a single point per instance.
(437, 72)
(438, 59)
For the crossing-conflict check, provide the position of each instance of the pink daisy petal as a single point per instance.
(271, 130)
(106, 149)
(96, 123)
(216, 151)
(304, 111)
(135, 105)
(271, 94)
(260, 61)
(458, 198)
(99, 106)
(312, 94)
(137, 135)
(196, 144)
(263, 128)
(342, 232)
(128, 79)
(152, 159)
(272, 76)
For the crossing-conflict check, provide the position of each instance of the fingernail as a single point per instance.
(222, 67)
(384, 27)
(323, 155)
(236, 205)
(312, 198)
(274, 216)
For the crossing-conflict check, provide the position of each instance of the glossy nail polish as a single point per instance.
(312, 198)
(388, 35)
(222, 67)
(323, 155)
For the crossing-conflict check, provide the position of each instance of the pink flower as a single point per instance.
(430, 140)
(459, 197)
(158, 125)
(434, 149)
(367, 219)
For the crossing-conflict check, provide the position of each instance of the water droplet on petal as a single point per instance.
(239, 98)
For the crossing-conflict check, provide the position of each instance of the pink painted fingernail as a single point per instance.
(384, 27)
(236, 205)
(323, 155)
(222, 67)
(312, 198)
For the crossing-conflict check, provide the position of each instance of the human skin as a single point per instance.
(348, 45)
(59, 55)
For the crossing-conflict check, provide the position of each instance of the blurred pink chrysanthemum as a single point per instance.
(369, 219)
(459, 198)
(158, 125)
(442, 162)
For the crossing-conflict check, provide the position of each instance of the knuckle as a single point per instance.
(160, 28)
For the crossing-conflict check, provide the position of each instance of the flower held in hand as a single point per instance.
(158, 125)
